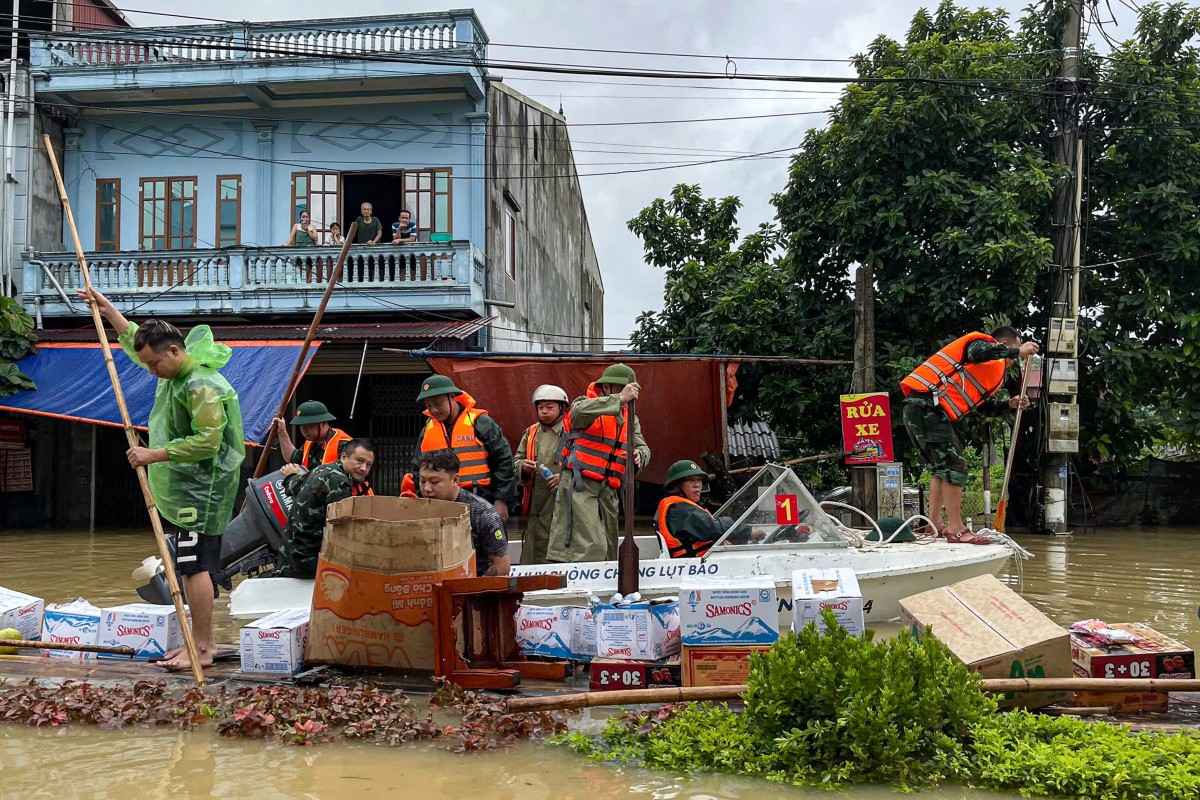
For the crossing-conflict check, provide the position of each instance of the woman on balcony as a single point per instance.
(303, 233)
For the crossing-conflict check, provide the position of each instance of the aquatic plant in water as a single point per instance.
(831, 710)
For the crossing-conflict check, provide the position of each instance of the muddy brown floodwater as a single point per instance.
(1119, 576)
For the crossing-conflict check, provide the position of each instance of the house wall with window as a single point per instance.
(539, 247)
(172, 181)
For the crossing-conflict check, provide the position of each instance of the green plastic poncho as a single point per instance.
(197, 419)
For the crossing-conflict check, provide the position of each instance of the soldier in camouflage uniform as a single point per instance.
(314, 491)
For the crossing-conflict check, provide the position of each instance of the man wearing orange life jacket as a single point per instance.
(960, 378)
(321, 441)
(685, 528)
(456, 423)
(597, 431)
(540, 451)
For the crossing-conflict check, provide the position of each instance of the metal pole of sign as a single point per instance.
(358, 383)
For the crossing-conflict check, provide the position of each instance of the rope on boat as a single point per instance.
(858, 537)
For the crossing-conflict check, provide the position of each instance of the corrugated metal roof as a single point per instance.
(753, 439)
(388, 332)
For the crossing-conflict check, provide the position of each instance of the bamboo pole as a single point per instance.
(1002, 507)
(637, 697)
(25, 644)
(334, 276)
(131, 436)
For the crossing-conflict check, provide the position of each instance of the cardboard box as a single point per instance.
(716, 611)
(718, 666)
(613, 674)
(1152, 656)
(275, 643)
(556, 631)
(995, 633)
(77, 622)
(21, 611)
(639, 632)
(374, 597)
(151, 630)
(814, 590)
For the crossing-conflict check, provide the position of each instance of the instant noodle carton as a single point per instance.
(1151, 655)
(22, 612)
(374, 602)
(77, 622)
(718, 665)
(721, 611)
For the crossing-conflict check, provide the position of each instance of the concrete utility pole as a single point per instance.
(1060, 368)
(864, 488)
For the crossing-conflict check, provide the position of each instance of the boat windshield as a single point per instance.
(776, 508)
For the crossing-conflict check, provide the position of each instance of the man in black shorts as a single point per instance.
(439, 481)
(195, 455)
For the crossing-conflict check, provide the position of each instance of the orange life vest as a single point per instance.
(330, 455)
(956, 386)
(473, 469)
(361, 490)
(598, 451)
(676, 547)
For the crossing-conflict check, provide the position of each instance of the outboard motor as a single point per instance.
(251, 543)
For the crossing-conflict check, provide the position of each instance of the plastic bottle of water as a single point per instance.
(615, 599)
(636, 597)
(546, 473)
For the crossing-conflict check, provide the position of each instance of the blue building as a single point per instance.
(189, 153)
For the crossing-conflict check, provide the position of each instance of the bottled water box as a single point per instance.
(77, 622)
(722, 611)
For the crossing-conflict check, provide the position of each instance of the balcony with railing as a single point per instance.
(445, 276)
(451, 43)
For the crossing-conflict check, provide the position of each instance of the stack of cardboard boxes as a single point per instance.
(722, 621)
(1149, 655)
(637, 645)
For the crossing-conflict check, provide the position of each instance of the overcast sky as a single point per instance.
(800, 29)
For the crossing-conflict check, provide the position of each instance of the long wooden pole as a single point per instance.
(1002, 506)
(23, 644)
(805, 460)
(627, 554)
(298, 369)
(164, 552)
(634, 697)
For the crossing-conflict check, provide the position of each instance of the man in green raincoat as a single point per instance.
(195, 455)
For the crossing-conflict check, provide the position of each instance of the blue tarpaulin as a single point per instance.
(73, 383)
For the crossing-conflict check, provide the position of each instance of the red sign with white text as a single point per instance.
(867, 428)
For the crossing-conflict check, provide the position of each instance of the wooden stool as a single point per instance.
(481, 611)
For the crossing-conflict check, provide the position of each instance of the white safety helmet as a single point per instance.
(549, 392)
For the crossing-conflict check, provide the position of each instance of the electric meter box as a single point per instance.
(1064, 338)
(890, 491)
(1063, 428)
(1064, 376)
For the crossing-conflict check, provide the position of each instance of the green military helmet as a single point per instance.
(312, 412)
(618, 375)
(436, 385)
(684, 469)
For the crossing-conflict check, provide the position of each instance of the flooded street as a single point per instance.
(1125, 576)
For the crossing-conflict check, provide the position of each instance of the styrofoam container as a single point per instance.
(275, 643)
(556, 632)
(77, 622)
(724, 611)
(21, 611)
(814, 590)
(151, 630)
(640, 631)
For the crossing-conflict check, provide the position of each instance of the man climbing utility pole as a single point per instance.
(1064, 310)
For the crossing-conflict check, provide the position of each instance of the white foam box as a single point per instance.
(151, 630)
(814, 590)
(556, 631)
(638, 632)
(21, 611)
(275, 643)
(724, 611)
(77, 622)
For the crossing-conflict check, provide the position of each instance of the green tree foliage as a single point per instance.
(943, 183)
(17, 340)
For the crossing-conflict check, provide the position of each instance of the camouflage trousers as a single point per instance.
(935, 437)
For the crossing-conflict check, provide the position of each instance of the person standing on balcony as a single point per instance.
(334, 238)
(405, 230)
(370, 229)
(194, 460)
(303, 233)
